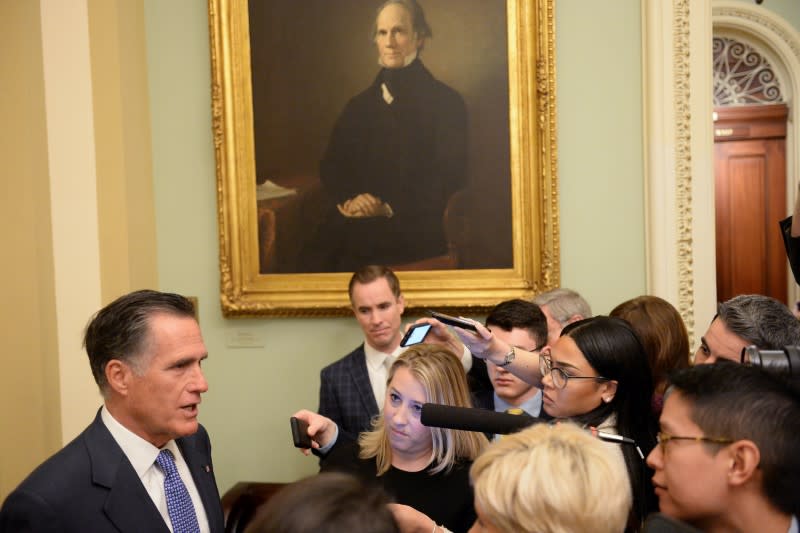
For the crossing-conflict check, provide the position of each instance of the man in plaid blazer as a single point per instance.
(352, 389)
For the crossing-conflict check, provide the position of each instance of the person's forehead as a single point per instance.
(565, 351)
(677, 413)
(175, 336)
(373, 292)
(517, 336)
(722, 342)
(393, 15)
(404, 382)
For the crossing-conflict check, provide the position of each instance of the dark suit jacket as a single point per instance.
(792, 245)
(90, 486)
(345, 394)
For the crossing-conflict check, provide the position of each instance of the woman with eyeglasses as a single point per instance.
(596, 375)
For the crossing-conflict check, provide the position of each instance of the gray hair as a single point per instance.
(760, 320)
(563, 304)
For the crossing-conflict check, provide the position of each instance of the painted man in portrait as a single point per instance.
(396, 155)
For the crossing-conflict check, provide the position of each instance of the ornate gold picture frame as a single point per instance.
(257, 277)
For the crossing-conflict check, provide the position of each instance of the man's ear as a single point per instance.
(744, 457)
(401, 302)
(574, 318)
(118, 375)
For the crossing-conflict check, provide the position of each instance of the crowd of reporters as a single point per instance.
(626, 433)
(613, 376)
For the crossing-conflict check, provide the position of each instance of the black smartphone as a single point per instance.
(415, 334)
(454, 321)
(300, 433)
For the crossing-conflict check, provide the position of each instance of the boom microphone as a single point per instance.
(485, 421)
(468, 419)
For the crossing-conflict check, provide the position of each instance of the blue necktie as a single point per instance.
(179, 503)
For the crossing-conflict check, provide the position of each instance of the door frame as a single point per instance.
(678, 130)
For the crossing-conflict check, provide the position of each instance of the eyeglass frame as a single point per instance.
(662, 442)
(546, 367)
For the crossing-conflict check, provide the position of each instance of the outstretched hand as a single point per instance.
(481, 344)
(440, 334)
(321, 429)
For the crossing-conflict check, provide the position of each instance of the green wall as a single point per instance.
(789, 10)
(254, 391)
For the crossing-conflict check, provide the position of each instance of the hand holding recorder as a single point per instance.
(312, 430)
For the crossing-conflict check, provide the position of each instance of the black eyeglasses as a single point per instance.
(663, 438)
(559, 375)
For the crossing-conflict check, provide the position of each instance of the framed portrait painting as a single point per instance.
(419, 135)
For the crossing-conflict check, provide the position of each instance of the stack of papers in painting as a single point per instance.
(269, 190)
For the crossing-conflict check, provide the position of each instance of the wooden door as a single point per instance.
(750, 176)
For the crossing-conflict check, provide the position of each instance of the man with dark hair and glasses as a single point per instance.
(728, 457)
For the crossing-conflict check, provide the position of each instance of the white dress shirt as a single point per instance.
(142, 455)
(378, 364)
(378, 368)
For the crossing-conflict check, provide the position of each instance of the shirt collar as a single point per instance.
(375, 358)
(793, 527)
(532, 405)
(139, 452)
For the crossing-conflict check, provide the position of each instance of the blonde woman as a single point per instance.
(421, 467)
(550, 479)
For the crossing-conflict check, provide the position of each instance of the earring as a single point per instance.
(606, 399)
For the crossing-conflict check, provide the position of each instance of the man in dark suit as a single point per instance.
(396, 155)
(352, 389)
(144, 463)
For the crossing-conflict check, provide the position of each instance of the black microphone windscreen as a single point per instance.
(468, 419)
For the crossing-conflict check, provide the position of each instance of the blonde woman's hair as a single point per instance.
(442, 377)
(552, 479)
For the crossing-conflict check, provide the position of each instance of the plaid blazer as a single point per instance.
(345, 394)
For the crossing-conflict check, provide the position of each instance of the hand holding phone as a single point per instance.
(415, 334)
(454, 321)
(300, 433)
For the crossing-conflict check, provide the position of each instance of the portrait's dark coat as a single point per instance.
(411, 154)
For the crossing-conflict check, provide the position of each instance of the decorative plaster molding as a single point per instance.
(683, 159)
(763, 19)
